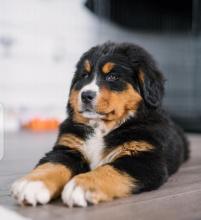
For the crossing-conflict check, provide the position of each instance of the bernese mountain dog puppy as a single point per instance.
(117, 140)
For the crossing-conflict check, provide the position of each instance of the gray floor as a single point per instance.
(179, 198)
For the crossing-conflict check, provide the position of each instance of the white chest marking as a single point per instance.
(94, 146)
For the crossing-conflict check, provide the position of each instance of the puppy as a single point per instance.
(117, 140)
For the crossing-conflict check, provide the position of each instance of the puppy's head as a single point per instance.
(112, 80)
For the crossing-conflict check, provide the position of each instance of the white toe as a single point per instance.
(73, 195)
(79, 197)
(43, 197)
(31, 192)
(66, 194)
(17, 187)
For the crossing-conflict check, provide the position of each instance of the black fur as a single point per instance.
(150, 123)
(68, 157)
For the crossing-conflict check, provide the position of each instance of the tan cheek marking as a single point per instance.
(107, 67)
(54, 176)
(132, 98)
(128, 148)
(106, 183)
(117, 105)
(87, 66)
(103, 102)
(71, 141)
(73, 100)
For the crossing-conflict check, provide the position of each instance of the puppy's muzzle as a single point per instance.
(88, 97)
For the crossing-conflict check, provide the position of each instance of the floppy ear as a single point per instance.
(151, 85)
(150, 79)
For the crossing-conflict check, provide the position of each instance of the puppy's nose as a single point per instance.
(88, 96)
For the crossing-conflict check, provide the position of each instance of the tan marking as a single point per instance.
(137, 146)
(70, 140)
(74, 142)
(117, 105)
(128, 148)
(73, 100)
(107, 67)
(141, 76)
(106, 183)
(87, 66)
(54, 176)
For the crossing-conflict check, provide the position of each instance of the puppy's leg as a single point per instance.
(42, 184)
(47, 180)
(102, 184)
(120, 178)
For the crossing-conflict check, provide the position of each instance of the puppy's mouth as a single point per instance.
(92, 114)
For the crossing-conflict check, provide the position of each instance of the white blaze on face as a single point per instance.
(92, 86)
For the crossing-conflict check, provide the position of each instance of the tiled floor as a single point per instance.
(178, 199)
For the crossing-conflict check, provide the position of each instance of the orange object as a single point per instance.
(37, 124)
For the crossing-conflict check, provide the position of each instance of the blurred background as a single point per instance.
(41, 41)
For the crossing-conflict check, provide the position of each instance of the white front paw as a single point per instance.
(30, 192)
(74, 195)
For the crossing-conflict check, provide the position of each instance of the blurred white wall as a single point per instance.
(40, 42)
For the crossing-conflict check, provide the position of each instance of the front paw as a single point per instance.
(82, 190)
(30, 192)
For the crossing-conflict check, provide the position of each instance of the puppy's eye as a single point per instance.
(84, 75)
(112, 77)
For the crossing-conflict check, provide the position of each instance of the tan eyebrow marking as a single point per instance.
(87, 66)
(107, 67)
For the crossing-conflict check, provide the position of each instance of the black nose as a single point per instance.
(88, 96)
